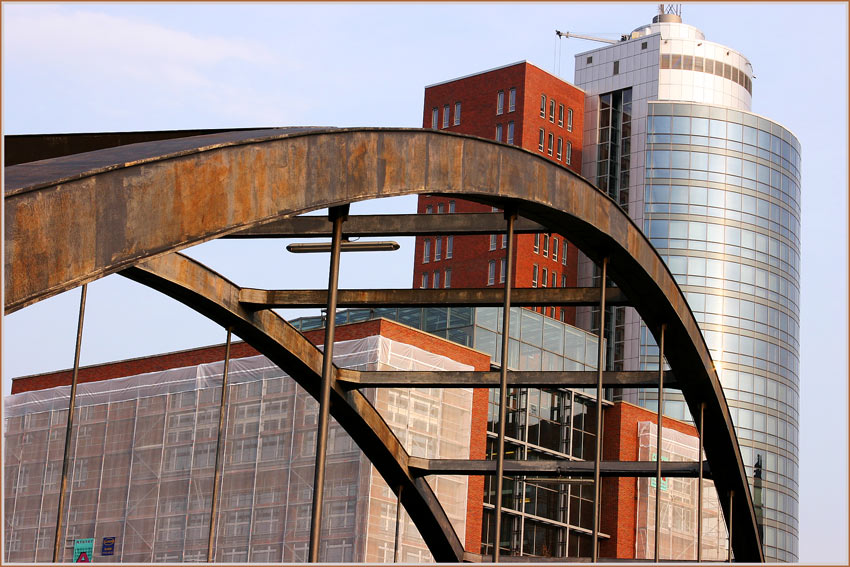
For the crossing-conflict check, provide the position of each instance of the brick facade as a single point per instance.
(478, 95)
(619, 495)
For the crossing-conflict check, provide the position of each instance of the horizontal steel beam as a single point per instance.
(556, 468)
(487, 297)
(389, 225)
(519, 378)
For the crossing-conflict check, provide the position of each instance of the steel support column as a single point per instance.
(658, 437)
(699, 482)
(397, 524)
(68, 427)
(510, 216)
(337, 216)
(219, 448)
(600, 368)
(731, 496)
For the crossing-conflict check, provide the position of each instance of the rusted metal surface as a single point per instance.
(215, 297)
(523, 378)
(391, 225)
(484, 297)
(554, 468)
(75, 219)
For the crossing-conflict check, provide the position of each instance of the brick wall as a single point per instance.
(619, 495)
(471, 255)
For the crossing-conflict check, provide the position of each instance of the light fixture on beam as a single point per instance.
(345, 246)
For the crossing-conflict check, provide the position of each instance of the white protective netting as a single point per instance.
(678, 526)
(143, 456)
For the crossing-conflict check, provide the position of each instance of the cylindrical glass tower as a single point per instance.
(670, 135)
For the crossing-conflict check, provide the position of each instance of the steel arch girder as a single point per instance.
(212, 295)
(74, 219)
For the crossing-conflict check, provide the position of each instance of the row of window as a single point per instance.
(435, 116)
(491, 272)
(435, 281)
(552, 113)
(535, 271)
(510, 137)
(729, 204)
(566, 157)
(441, 208)
(500, 101)
(438, 249)
(706, 65)
(555, 243)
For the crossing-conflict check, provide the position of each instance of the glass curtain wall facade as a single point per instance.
(717, 190)
(723, 208)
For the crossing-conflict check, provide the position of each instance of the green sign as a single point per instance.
(663, 479)
(83, 550)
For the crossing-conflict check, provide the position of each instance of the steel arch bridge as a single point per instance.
(130, 208)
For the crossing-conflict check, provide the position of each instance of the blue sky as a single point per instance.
(116, 67)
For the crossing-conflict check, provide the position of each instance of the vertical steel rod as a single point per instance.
(337, 216)
(658, 444)
(600, 368)
(699, 483)
(731, 494)
(219, 448)
(72, 401)
(397, 524)
(510, 217)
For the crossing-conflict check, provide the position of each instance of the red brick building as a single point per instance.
(522, 105)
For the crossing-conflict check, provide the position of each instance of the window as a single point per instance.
(492, 242)
(448, 283)
(449, 243)
(537, 243)
(543, 279)
(436, 279)
(510, 139)
(560, 148)
(457, 113)
(554, 280)
(616, 67)
(643, 45)
(498, 132)
(502, 271)
(504, 241)
(429, 209)
(563, 280)
(500, 102)
(512, 100)
(440, 208)
(589, 60)
(552, 111)
(540, 141)
(564, 254)
(426, 254)
(554, 249)
(438, 245)
(542, 106)
(570, 120)
(569, 157)
(534, 276)
(435, 117)
(446, 116)
(491, 272)
(451, 206)
(424, 280)
(560, 115)
(546, 245)
(551, 144)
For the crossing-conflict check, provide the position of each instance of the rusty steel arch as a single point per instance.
(74, 219)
